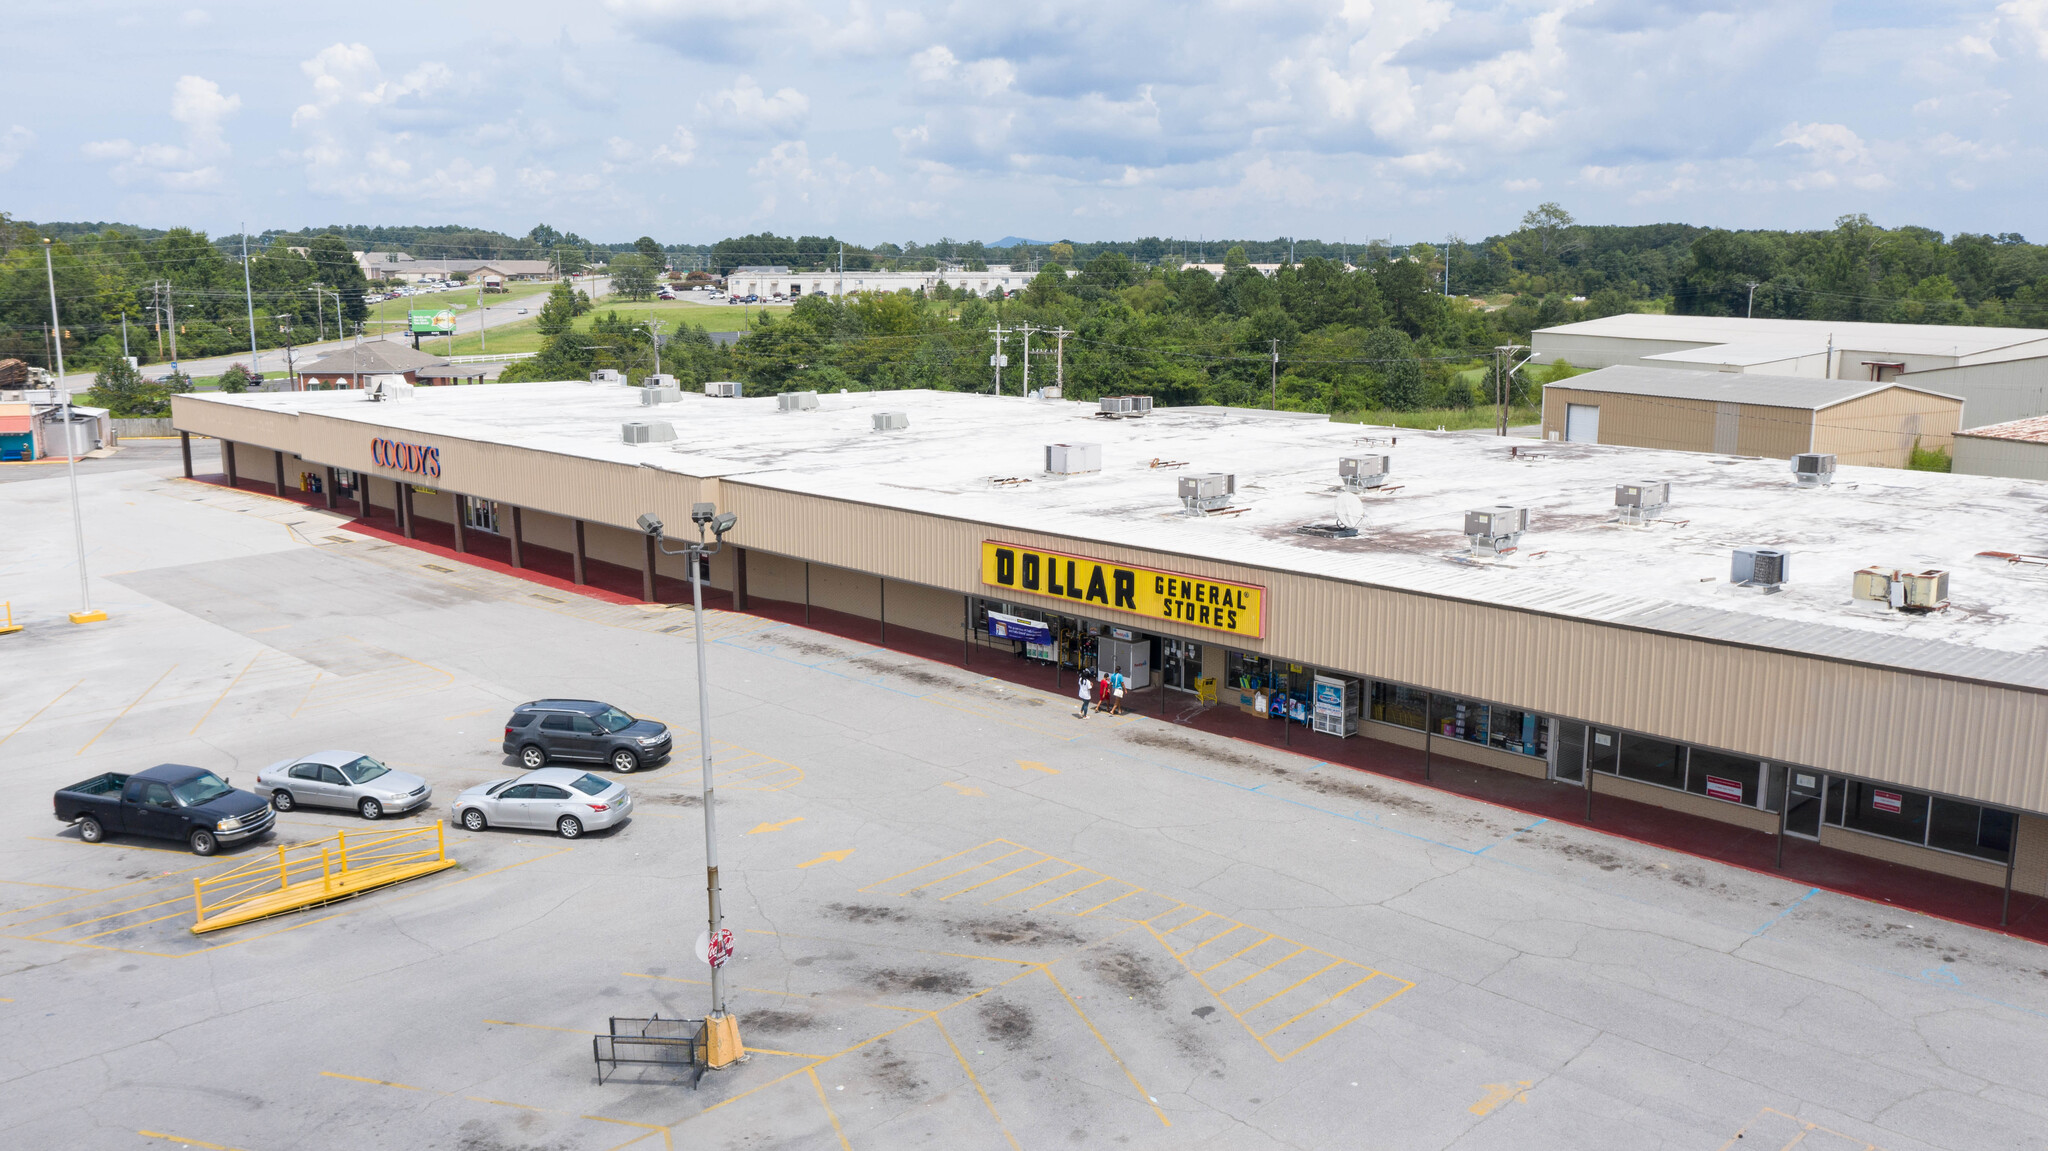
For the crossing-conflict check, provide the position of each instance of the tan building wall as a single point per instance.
(1985, 456)
(1908, 855)
(1881, 429)
(1493, 757)
(1683, 425)
(1685, 801)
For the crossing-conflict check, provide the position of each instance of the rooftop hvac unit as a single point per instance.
(1641, 501)
(647, 431)
(891, 421)
(1814, 469)
(607, 376)
(1496, 530)
(797, 402)
(1207, 492)
(1767, 568)
(1362, 473)
(1073, 459)
(1052, 393)
(1877, 587)
(1140, 405)
(660, 380)
(1925, 591)
(722, 389)
(1114, 406)
(652, 395)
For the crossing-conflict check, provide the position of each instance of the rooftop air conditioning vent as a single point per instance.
(1052, 393)
(607, 376)
(1115, 407)
(654, 394)
(797, 402)
(1814, 469)
(891, 421)
(1766, 568)
(722, 389)
(1207, 491)
(1642, 501)
(1496, 530)
(1140, 405)
(1363, 473)
(647, 431)
(1877, 587)
(1073, 459)
(1924, 591)
(659, 380)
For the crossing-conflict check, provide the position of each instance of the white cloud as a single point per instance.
(195, 18)
(2027, 22)
(1831, 143)
(680, 149)
(201, 108)
(13, 143)
(362, 132)
(744, 108)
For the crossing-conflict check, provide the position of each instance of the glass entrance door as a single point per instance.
(1183, 664)
(1804, 793)
(1568, 758)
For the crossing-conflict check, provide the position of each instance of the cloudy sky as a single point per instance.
(885, 120)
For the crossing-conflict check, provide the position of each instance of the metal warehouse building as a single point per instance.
(1750, 415)
(1878, 682)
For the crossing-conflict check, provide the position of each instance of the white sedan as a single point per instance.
(562, 799)
(342, 779)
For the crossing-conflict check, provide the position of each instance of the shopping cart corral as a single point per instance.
(673, 1043)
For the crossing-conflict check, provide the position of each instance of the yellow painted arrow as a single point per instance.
(964, 789)
(1032, 765)
(828, 857)
(775, 826)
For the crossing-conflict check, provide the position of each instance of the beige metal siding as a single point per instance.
(1992, 393)
(1892, 851)
(774, 577)
(925, 609)
(1773, 432)
(1881, 429)
(1638, 421)
(1685, 801)
(1984, 456)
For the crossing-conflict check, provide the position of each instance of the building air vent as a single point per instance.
(891, 421)
(1882, 587)
(796, 402)
(722, 389)
(607, 376)
(1925, 591)
(1052, 393)
(1363, 473)
(660, 380)
(1073, 459)
(647, 431)
(1814, 469)
(1496, 530)
(1207, 492)
(1642, 501)
(1767, 568)
(653, 394)
(1114, 405)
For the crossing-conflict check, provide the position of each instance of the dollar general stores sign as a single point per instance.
(1184, 599)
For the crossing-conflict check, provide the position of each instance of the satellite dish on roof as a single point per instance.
(1350, 511)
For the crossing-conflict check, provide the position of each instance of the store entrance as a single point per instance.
(1804, 792)
(1181, 663)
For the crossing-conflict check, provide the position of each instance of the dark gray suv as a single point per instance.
(584, 730)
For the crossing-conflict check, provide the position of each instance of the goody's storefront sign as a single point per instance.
(403, 457)
(1219, 605)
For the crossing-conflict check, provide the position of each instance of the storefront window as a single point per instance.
(1521, 732)
(1400, 706)
(1652, 761)
(1881, 809)
(1731, 778)
(1969, 829)
(1456, 718)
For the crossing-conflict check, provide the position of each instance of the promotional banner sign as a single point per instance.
(1002, 626)
(1239, 609)
(432, 323)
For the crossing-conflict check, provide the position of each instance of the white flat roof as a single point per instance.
(1743, 354)
(1574, 561)
(1925, 339)
(1809, 393)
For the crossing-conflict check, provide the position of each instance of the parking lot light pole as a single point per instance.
(722, 1046)
(86, 613)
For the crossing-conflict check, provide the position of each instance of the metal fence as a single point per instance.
(656, 1042)
(313, 873)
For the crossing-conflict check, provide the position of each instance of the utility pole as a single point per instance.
(996, 361)
(171, 308)
(1749, 312)
(284, 324)
(1448, 241)
(1059, 361)
(85, 614)
(320, 310)
(1026, 389)
(842, 281)
(156, 314)
(124, 332)
(249, 297)
(1276, 375)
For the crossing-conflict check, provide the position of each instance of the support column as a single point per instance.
(576, 556)
(461, 543)
(405, 498)
(327, 486)
(369, 507)
(227, 459)
(647, 569)
(278, 455)
(882, 606)
(739, 579)
(518, 538)
(807, 593)
(185, 449)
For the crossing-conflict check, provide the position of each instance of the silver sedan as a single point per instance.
(342, 779)
(568, 801)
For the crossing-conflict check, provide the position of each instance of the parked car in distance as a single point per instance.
(568, 801)
(584, 730)
(342, 779)
(168, 801)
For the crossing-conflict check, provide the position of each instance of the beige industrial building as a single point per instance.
(2018, 449)
(1750, 415)
(1500, 603)
(2000, 373)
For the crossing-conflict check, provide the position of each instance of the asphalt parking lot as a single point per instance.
(966, 919)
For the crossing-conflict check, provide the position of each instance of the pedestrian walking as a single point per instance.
(1117, 684)
(1101, 692)
(1086, 691)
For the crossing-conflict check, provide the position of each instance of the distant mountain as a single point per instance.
(1013, 241)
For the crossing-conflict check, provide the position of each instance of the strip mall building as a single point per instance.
(1597, 651)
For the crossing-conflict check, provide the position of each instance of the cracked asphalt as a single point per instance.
(965, 918)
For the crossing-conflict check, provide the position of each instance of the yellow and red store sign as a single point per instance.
(1219, 605)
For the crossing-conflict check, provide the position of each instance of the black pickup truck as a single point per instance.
(169, 801)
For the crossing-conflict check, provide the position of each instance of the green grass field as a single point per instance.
(524, 335)
(1450, 419)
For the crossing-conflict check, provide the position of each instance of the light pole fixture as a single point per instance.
(86, 613)
(721, 1038)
